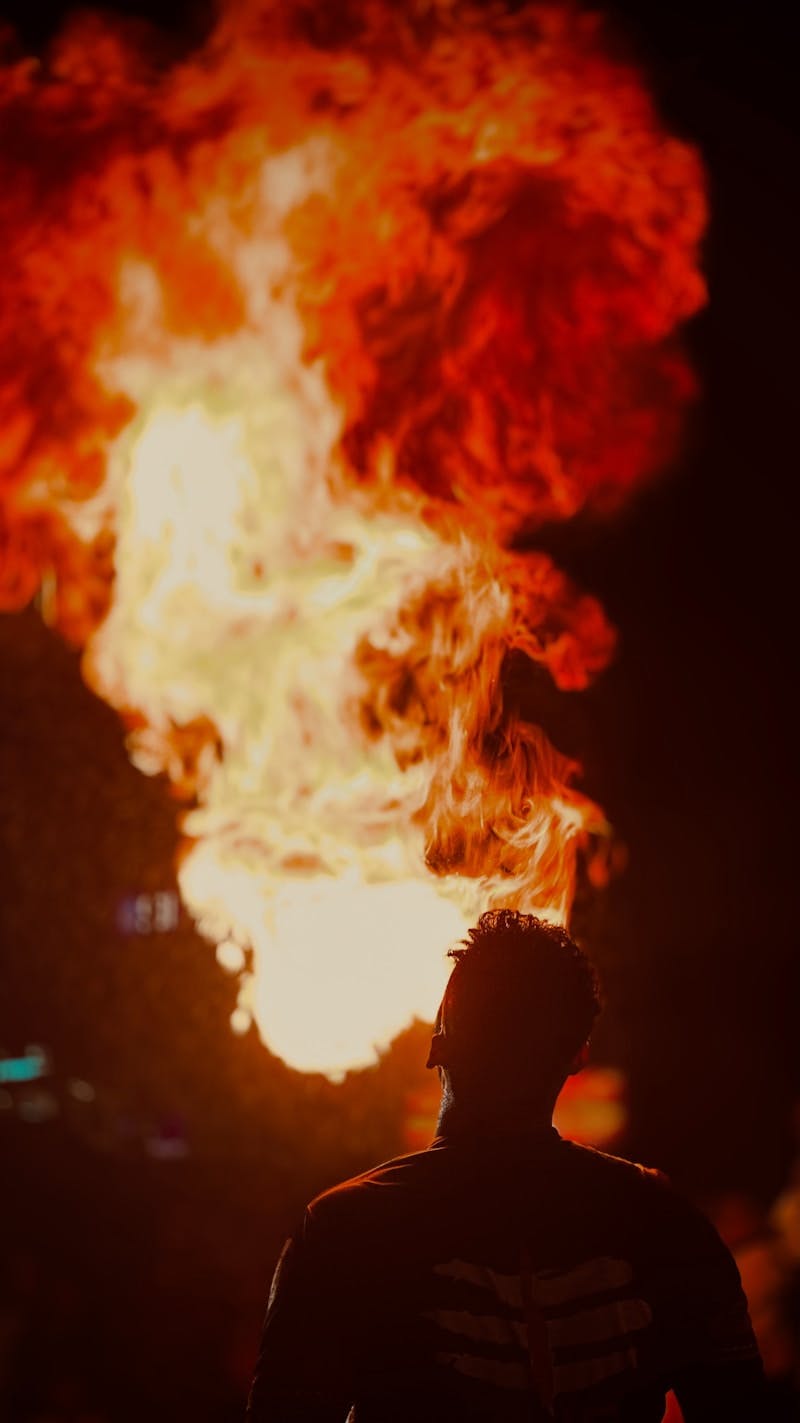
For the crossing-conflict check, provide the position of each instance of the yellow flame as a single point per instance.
(242, 601)
(250, 575)
(244, 586)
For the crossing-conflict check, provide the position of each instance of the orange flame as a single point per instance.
(300, 334)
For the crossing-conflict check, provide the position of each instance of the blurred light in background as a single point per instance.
(149, 913)
(591, 1107)
(37, 1106)
(33, 1063)
(80, 1090)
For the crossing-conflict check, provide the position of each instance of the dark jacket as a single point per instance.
(515, 1277)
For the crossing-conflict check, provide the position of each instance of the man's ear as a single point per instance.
(579, 1061)
(436, 1054)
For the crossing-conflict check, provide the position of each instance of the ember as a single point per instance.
(300, 338)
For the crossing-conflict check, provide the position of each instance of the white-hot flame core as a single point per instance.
(245, 582)
(361, 958)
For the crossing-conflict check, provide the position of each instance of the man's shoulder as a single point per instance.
(396, 1184)
(669, 1223)
(644, 1191)
(617, 1170)
(378, 1189)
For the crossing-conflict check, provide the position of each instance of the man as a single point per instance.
(505, 1274)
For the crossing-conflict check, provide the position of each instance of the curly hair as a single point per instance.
(521, 993)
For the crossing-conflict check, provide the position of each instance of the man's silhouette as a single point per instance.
(506, 1274)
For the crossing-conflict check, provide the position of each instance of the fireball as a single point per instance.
(304, 337)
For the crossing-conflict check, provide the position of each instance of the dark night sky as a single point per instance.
(699, 580)
(688, 741)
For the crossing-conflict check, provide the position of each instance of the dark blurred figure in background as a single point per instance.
(506, 1274)
(766, 1248)
(785, 1221)
(766, 1280)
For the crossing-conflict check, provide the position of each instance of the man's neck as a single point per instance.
(464, 1119)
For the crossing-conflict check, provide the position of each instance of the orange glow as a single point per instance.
(592, 1108)
(298, 336)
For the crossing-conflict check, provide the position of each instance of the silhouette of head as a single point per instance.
(517, 1010)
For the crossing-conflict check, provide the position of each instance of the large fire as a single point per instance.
(302, 335)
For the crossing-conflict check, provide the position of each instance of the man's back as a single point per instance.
(512, 1277)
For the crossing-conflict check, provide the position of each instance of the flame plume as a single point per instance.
(299, 334)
